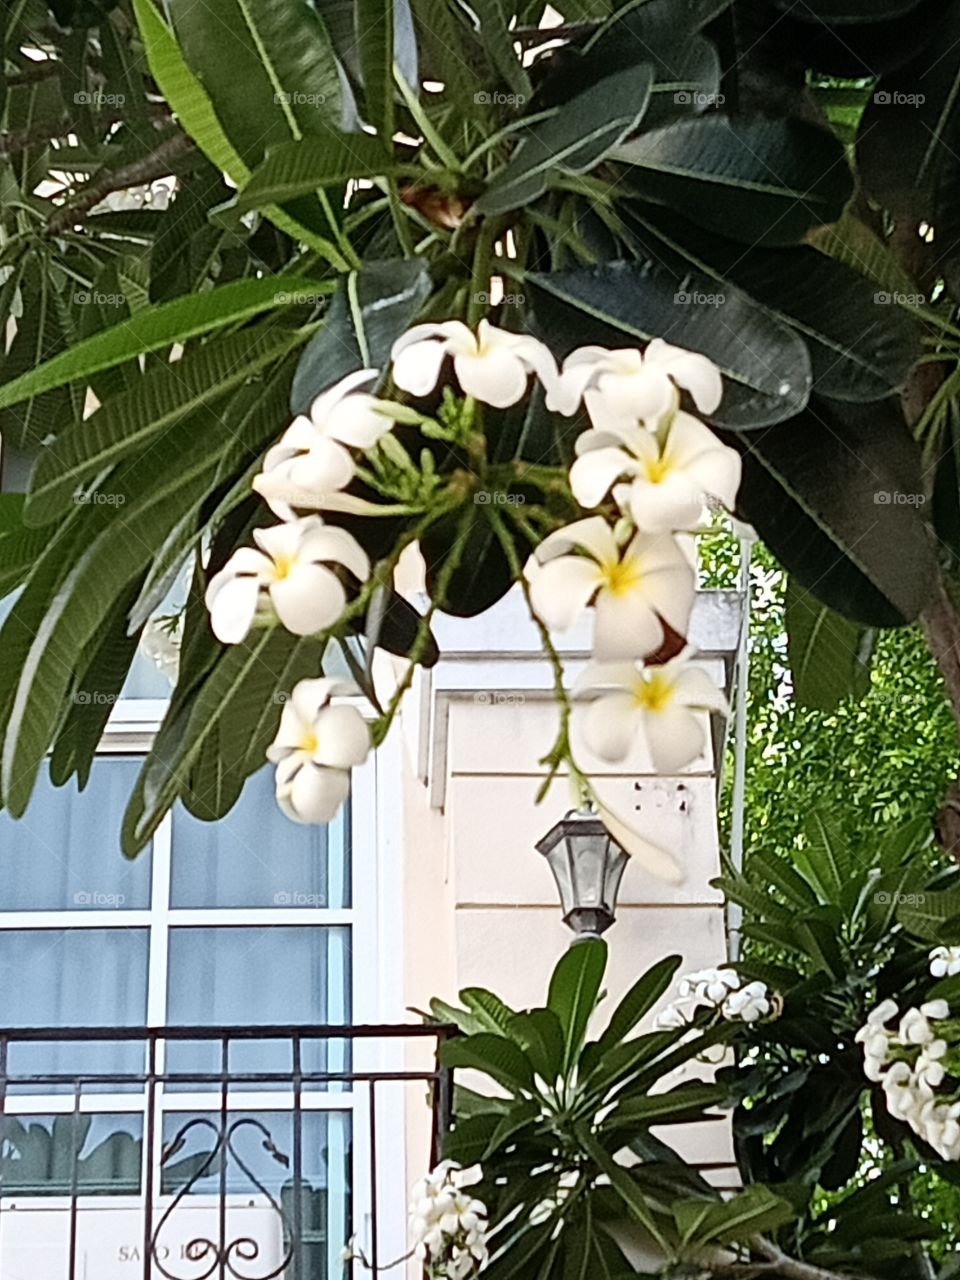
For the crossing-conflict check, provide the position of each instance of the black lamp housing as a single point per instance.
(588, 865)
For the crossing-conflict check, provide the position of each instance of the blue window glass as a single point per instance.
(257, 857)
(272, 975)
(73, 978)
(64, 853)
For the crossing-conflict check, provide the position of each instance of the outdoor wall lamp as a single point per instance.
(588, 865)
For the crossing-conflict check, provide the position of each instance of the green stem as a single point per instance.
(381, 726)
(447, 158)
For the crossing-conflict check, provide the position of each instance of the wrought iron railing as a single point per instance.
(208, 1153)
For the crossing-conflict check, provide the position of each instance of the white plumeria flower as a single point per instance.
(634, 589)
(290, 575)
(884, 1011)
(316, 746)
(658, 704)
(492, 365)
(749, 1004)
(312, 459)
(935, 1009)
(945, 962)
(668, 479)
(929, 1066)
(914, 1028)
(899, 1087)
(624, 387)
(671, 1018)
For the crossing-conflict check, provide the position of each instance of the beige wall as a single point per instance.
(481, 907)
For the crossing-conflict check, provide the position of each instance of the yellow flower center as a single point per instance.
(283, 566)
(654, 691)
(309, 742)
(621, 576)
(658, 469)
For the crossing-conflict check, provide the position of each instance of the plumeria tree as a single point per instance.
(436, 260)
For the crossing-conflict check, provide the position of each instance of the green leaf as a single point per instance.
(269, 69)
(623, 1184)
(836, 494)
(766, 362)
(826, 859)
(681, 1104)
(151, 499)
(761, 181)
(160, 397)
(574, 988)
(488, 1009)
(293, 169)
(574, 140)
(375, 23)
(830, 656)
(540, 1036)
(839, 12)
(161, 327)
(928, 917)
(369, 311)
(188, 99)
(638, 1002)
(509, 1125)
(754, 1211)
(496, 1056)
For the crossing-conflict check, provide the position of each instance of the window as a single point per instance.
(252, 920)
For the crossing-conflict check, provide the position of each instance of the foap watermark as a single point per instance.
(93, 297)
(97, 98)
(896, 299)
(95, 698)
(885, 899)
(98, 498)
(297, 99)
(896, 98)
(98, 898)
(897, 498)
(697, 98)
(499, 99)
(295, 898)
(694, 298)
(502, 299)
(498, 498)
(289, 299)
(497, 698)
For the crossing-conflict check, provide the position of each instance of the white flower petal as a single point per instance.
(315, 793)
(329, 542)
(610, 726)
(595, 471)
(416, 367)
(690, 370)
(343, 738)
(310, 599)
(562, 589)
(675, 737)
(495, 377)
(592, 534)
(232, 603)
(624, 627)
(650, 856)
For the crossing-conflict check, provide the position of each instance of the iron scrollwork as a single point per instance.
(223, 1254)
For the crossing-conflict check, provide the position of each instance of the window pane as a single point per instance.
(257, 857)
(64, 853)
(37, 1154)
(263, 976)
(73, 978)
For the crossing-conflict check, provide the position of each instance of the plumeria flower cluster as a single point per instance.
(645, 467)
(914, 1064)
(632, 567)
(448, 1225)
(719, 989)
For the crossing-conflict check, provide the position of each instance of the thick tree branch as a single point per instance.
(157, 164)
(777, 1263)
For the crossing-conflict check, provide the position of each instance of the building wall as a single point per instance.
(480, 904)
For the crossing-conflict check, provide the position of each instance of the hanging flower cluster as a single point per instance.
(449, 1227)
(644, 468)
(917, 1065)
(718, 989)
(631, 567)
